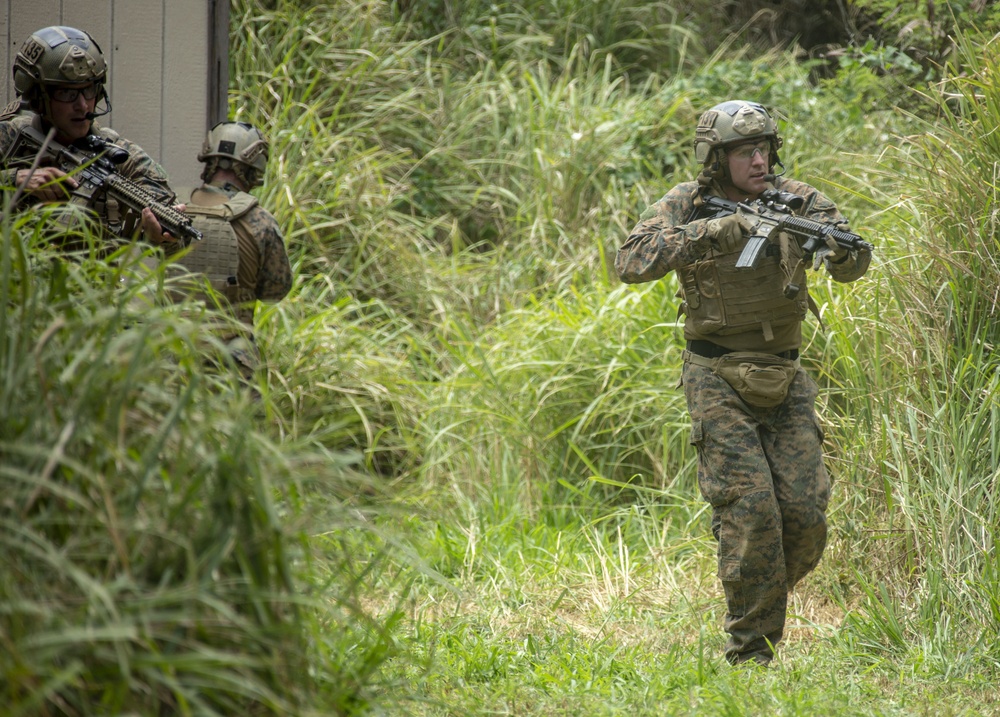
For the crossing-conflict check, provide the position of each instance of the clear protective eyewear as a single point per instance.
(746, 152)
(69, 94)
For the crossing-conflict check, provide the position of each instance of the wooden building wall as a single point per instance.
(167, 67)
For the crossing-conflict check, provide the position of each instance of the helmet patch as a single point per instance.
(707, 119)
(32, 50)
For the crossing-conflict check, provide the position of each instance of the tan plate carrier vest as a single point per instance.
(720, 299)
(217, 255)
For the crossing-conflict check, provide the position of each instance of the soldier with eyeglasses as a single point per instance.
(753, 421)
(59, 77)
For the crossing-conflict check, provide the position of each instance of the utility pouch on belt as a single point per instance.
(762, 380)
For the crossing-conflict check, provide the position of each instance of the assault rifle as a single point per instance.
(771, 214)
(92, 161)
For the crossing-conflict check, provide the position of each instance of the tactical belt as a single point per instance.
(708, 350)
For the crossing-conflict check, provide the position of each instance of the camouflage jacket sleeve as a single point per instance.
(274, 278)
(819, 207)
(8, 133)
(664, 239)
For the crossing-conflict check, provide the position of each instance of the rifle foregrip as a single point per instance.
(174, 222)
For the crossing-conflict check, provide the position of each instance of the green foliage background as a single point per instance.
(468, 487)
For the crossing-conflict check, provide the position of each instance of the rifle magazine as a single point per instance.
(752, 252)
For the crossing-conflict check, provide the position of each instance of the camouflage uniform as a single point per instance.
(139, 167)
(53, 68)
(761, 469)
(264, 272)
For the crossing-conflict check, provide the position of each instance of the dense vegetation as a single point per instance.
(468, 488)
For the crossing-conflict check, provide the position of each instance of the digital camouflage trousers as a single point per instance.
(762, 471)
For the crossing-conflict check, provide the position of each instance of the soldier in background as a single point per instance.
(242, 255)
(759, 442)
(59, 77)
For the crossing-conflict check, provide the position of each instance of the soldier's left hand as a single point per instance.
(154, 233)
(836, 256)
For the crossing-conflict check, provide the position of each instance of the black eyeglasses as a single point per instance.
(69, 94)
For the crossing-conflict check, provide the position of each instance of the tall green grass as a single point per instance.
(152, 524)
(637, 37)
(917, 419)
(454, 194)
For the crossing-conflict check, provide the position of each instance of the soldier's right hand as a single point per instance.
(49, 184)
(728, 231)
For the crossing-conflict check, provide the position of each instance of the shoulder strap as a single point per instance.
(796, 275)
(815, 309)
(698, 197)
(221, 211)
(241, 203)
(207, 204)
(235, 206)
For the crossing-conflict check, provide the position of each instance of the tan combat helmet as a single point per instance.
(733, 122)
(238, 146)
(57, 56)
